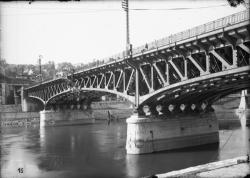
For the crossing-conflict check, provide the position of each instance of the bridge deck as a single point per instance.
(172, 70)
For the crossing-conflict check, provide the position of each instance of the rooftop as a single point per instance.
(15, 81)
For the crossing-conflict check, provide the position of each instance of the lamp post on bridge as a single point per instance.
(125, 7)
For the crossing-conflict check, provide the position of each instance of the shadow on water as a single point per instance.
(160, 162)
(233, 119)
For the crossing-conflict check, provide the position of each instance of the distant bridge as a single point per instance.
(194, 67)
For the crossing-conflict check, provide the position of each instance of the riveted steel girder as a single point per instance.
(126, 76)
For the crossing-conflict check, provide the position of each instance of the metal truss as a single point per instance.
(158, 71)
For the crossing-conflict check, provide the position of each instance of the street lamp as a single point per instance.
(125, 6)
(40, 68)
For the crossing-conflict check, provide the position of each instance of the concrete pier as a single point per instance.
(147, 135)
(65, 117)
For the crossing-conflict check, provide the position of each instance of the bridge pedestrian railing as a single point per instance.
(198, 30)
(193, 32)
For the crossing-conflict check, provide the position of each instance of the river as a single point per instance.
(98, 150)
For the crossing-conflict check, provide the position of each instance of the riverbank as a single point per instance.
(11, 116)
(230, 168)
(225, 110)
(19, 119)
(23, 119)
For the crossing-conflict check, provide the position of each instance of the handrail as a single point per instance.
(195, 31)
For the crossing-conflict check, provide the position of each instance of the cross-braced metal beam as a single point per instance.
(151, 72)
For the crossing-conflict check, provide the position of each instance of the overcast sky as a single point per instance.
(79, 32)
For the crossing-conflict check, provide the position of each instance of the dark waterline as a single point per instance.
(99, 151)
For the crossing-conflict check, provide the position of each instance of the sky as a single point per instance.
(79, 32)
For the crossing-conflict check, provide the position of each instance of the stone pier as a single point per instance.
(65, 117)
(147, 135)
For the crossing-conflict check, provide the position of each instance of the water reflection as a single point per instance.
(16, 160)
(84, 150)
(234, 135)
(99, 151)
(244, 117)
(146, 164)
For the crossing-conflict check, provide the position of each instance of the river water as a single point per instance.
(98, 150)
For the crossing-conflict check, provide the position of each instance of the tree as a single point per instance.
(65, 68)
(48, 70)
(3, 65)
(235, 3)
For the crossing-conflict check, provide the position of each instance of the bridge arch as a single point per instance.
(32, 103)
(39, 99)
(169, 67)
(127, 97)
(238, 77)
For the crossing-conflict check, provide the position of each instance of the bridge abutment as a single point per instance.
(65, 117)
(147, 135)
(29, 104)
(24, 102)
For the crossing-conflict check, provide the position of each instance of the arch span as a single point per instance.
(202, 81)
(32, 103)
(127, 97)
(39, 99)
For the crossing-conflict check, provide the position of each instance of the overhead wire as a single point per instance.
(87, 10)
(178, 8)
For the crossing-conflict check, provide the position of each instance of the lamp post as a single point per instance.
(40, 68)
(125, 6)
(129, 53)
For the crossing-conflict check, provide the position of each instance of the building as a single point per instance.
(9, 87)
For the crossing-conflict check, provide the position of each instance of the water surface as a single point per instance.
(98, 150)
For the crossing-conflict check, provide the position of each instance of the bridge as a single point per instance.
(182, 73)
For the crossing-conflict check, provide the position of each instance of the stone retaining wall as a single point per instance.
(65, 117)
(114, 113)
(10, 108)
(19, 119)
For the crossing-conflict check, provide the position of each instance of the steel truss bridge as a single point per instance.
(188, 70)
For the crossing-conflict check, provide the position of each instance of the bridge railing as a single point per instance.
(193, 32)
(198, 30)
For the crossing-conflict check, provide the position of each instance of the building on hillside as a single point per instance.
(9, 88)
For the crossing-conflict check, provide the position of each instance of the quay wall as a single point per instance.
(10, 108)
(102, 114)
(16, 118)
(19, 119)
(65, 117)
(105, 110)
(11, 115)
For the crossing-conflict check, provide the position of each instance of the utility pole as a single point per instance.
(125, 6)
(40, 68)
(129, 53)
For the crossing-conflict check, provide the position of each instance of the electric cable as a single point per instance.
(82, 10)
